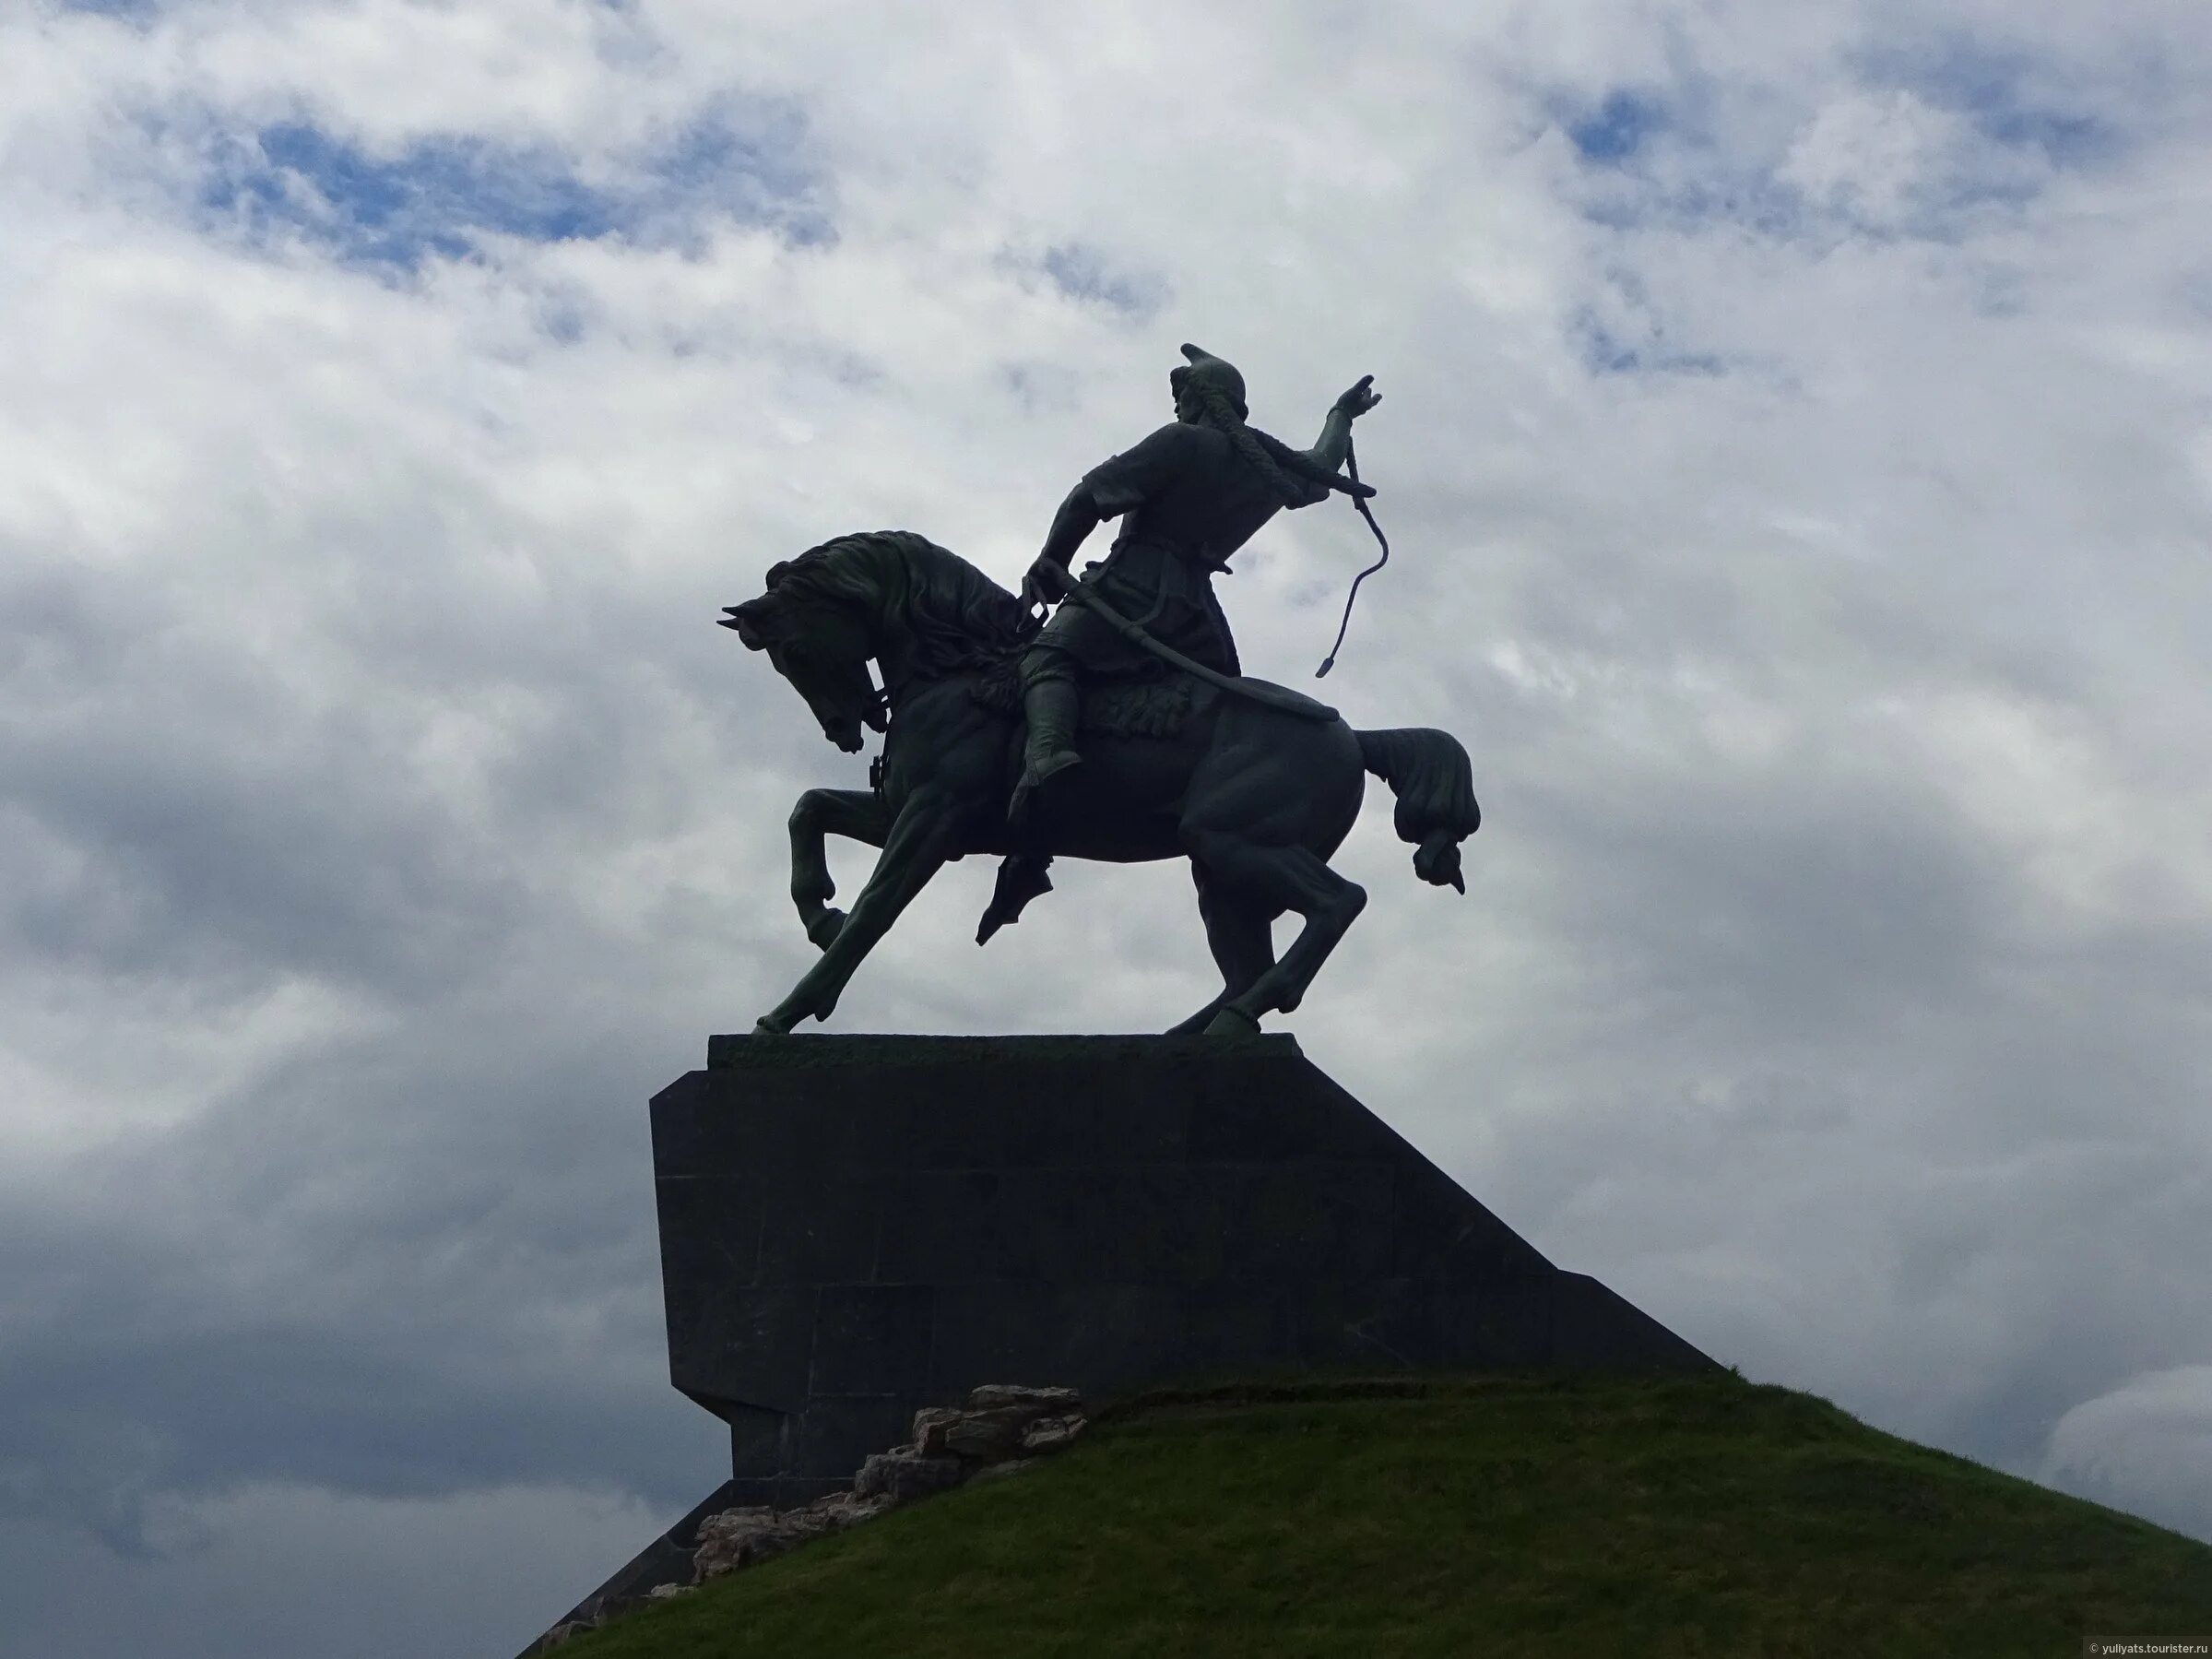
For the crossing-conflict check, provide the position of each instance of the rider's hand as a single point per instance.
(1044, 583)
(1360, 398)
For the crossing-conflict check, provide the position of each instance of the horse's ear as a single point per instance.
(752, 620)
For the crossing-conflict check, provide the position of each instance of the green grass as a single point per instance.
(1472, 1516)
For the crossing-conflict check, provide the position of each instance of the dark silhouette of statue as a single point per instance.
(1136, 678)
(1189, 496)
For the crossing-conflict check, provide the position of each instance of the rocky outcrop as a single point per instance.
(739, 1537)
(1000, 1430)
(1002, 1427)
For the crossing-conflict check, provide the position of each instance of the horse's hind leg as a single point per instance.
(1236, 931)
(1291, 879)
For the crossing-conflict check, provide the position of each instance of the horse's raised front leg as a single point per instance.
(857, 815)
(921, 839)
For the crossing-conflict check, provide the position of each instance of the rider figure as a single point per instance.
(1189, 496)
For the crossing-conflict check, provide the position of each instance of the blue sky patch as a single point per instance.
(1657, 157)
(1085, 273)
(751, 161)
(1616, 127)
(1652, 158)
(425, 200)
(2012, 99)
(1605, 352)
(438, 196)
(1744, 196)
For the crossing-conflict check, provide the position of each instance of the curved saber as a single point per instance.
(1352, 598)
(1280, 698)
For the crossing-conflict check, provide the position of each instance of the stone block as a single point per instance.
(858, 1227)
(872, 1339)
(930, 1426)
(749, 1345)
(906, 1476)
(991, 1436)
(996, 1396)
(827, 1442)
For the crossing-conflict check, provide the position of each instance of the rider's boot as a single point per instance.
(1051, 706)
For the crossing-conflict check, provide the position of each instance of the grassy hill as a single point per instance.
(1464, 1516)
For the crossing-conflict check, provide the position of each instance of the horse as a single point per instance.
(1256, 795)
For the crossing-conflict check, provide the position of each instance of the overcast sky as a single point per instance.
(1797, 440)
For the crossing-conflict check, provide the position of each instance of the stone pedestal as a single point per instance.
(852, 1228)
(855, 1226)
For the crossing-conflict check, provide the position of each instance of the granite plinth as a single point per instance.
(856, 1226)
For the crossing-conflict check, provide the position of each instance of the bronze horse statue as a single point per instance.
(1256, 793)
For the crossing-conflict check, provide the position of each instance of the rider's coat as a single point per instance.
(1186, 501)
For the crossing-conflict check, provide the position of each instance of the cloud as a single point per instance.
(2146, 1446)
(1794, 449)
(253, 1571)
(1085, 273)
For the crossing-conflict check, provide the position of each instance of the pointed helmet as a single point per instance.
(1210, 374)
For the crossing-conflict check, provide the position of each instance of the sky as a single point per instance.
(1797, 443)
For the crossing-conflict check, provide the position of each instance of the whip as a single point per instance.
(1352, 598)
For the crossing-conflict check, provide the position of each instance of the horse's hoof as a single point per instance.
(769, 1026)
(823, 929)
(1231, 1022)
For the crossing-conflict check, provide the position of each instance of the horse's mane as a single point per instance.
(954, 616)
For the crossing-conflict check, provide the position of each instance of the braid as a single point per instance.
(1223, 417)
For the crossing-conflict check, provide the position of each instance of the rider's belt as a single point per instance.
(1196, 554)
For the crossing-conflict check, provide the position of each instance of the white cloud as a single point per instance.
(281, 1569)
(1885, 159)
(2146, 1446)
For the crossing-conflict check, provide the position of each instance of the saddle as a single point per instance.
(1137, 708)
(1152, 705)
(1148, 705)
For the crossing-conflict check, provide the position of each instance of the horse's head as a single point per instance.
(920, 612)
(820, 642)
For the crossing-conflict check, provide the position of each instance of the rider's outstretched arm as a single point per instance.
(1328, 451)
(1335, 441)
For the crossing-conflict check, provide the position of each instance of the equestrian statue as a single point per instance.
(1121, 729)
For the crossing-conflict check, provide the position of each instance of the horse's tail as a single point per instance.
(1427, 771)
